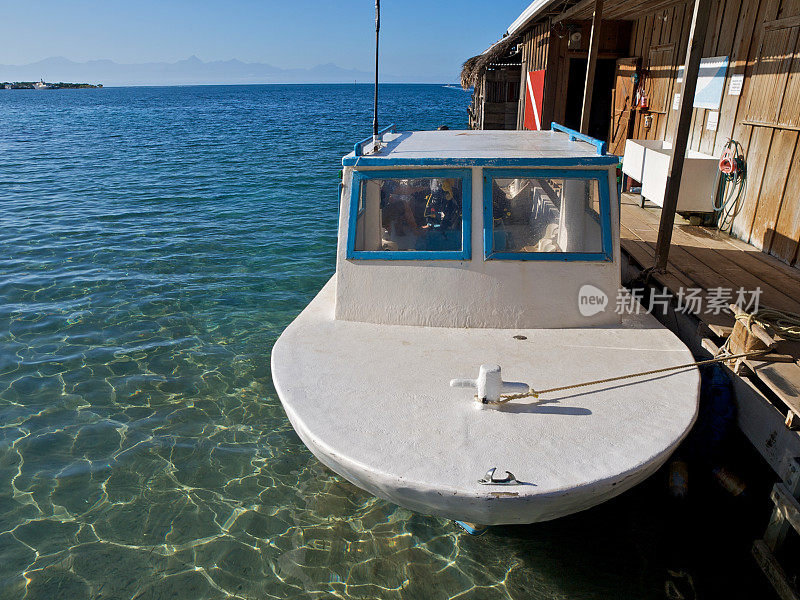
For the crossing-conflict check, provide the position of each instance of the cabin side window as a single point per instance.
(547, 216)
(410, 216)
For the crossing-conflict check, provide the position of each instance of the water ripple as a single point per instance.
(155, 243)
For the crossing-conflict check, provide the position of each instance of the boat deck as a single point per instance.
(374, 403)
(704, 258)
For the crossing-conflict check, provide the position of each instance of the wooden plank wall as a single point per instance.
(769, 217)
(669, 26)
(535, 45)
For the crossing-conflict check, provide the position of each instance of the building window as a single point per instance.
(547, 215)
(410, 215)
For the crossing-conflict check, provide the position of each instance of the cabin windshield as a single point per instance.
(534, 215)
(409, 215)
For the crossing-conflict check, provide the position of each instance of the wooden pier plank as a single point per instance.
(763, 423)
(735, 259)
(782, 378)
(702, 258)
(768, 269)
(712, 257)
(740, 268)
(787, 504)
(774, 572)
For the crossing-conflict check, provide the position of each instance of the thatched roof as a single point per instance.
(468, 72)
(474, 67)
(537, 10)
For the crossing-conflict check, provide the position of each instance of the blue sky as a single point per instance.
(419, 38)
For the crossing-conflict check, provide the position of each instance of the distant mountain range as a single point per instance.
(191, 71)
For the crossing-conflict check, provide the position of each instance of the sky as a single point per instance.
(420, 39)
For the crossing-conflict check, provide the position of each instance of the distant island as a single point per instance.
(193, 71)
(42, 85)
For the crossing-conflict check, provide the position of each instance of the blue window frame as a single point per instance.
(464, 253)
(605, 252)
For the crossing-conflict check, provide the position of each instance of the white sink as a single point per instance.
(647, 161)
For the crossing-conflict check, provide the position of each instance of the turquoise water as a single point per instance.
(155, 242)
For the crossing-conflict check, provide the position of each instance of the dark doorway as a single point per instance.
(600, 118)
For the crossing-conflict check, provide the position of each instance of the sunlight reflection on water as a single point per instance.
(155, 243)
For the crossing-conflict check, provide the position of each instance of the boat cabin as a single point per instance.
(491, 229)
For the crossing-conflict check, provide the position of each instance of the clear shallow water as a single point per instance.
(154, 244)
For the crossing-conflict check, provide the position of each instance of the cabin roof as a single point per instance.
(481, 148)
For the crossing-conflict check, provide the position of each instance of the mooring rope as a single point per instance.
(536, 393)
(784, 324)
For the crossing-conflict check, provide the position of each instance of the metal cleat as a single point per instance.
(490, 479)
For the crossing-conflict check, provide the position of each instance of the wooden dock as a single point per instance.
(767, 392)
(706, 259)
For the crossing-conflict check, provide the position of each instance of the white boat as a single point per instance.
(41, 85)
(461, 252)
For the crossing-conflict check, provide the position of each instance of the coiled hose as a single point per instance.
(732, 185)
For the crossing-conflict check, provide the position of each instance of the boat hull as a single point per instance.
(372, 403)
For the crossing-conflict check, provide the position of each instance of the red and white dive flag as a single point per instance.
(534, 90)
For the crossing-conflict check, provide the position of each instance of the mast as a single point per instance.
(375, 140)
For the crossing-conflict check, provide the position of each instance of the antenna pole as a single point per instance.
(375, 140)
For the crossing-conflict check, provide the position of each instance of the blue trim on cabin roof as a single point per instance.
(577, 135)
(381, 161)
(466, 216)
(602, 178)
(357, 158)
(359, 146)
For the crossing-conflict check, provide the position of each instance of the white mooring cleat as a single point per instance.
(490, 385)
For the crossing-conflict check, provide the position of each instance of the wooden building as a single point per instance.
(642, 45)
(638, 56)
